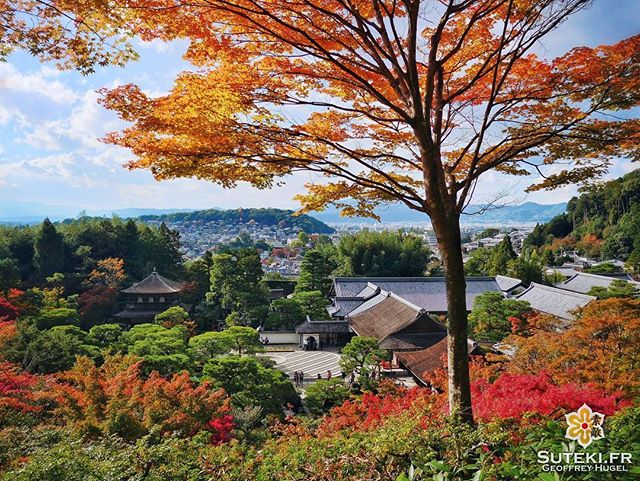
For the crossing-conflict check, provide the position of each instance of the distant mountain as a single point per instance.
(266, 217)
(19, 212)
(23, 212)
(529, 212)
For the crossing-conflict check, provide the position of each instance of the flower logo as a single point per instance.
(584, 426)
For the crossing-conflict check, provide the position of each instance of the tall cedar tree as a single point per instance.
(48, 247)
(383, 254)
(169, 254)
(314, 269)
(405, 101)
(502, 254)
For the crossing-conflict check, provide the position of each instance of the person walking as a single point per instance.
(328, 375)
(301, 378)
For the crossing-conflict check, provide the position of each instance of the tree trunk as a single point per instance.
(446, 227)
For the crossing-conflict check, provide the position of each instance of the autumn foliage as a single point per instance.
(79, 34)
(601, 347)
(371, 409)
(115, 398)
(17, 392)
(8, 312)
(406, 102)
(513, 395)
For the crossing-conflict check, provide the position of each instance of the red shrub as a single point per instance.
(221, 429)
(17, 390)
(512, 395)
(367, 413)
(8, 312)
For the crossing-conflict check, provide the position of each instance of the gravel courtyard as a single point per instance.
(309, 362)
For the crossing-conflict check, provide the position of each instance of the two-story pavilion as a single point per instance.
(149, 297)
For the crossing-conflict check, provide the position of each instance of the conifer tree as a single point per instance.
(48, 250)
(314, 269)
(502, 254)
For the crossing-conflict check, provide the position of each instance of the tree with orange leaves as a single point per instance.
(75, 33)
(99, 300)
(600, 348)
(408, 101)
(109, 272)
(116, 398)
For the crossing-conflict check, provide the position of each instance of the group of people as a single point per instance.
(329, 375)
(264, 340)
(298, 378)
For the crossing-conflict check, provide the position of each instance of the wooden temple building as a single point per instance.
(149, 297)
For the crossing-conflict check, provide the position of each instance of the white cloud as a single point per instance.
(81, 128)
(52, 168)
(5, 115)
(38, 83)
(157, 45)
(89, 122)
(43, 136)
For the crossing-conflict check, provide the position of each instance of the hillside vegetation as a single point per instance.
(602, 223)
(277, 217)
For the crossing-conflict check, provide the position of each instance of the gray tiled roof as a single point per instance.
(317, 327)
(508, 283)
(583, 282)
(154, 283)
(343, 306)
(551, 300)
(428, 293)
(565, 271)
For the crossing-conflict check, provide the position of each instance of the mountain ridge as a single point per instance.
(528, 212)
(14, 212)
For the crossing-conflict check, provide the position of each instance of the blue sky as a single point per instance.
(50, 124)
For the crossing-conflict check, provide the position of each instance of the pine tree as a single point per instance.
(48, 248)
(314, 269)
(130, 249)
(502, 254)
(171, 257)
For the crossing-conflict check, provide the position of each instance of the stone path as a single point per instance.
(309, 362)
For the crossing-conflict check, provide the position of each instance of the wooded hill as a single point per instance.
(604, 221)
(266, 217)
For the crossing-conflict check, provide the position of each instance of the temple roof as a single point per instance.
(155, 284)
(410, 341)
(426, 360)
(396, 323)
(508, 283)
(387, 316)
(136, 314)
(583, 282)
(323, 327)
(551, 300)
(428, 293)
